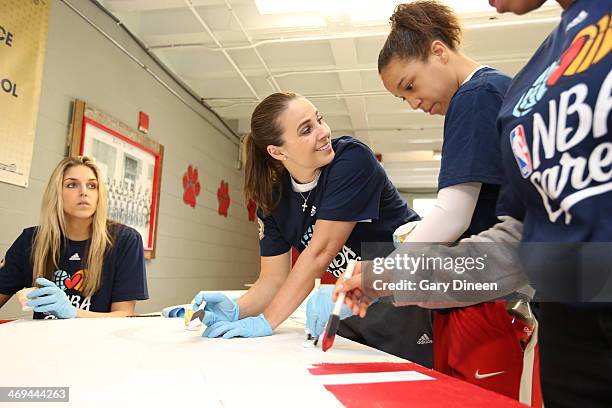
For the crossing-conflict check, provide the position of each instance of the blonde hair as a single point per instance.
(52, 228)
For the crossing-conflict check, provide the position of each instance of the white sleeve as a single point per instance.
(504, 267)
(450, 216)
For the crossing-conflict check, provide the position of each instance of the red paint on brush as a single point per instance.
(327, 343)
(330, 331)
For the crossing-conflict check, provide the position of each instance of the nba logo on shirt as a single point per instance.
(520, 150)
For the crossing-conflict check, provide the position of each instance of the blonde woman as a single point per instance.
(83, 264)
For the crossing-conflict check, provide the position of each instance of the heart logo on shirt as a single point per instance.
(74, 281)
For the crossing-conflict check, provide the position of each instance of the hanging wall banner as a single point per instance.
(23, 36)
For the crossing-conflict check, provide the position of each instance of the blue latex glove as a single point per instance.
(51, 299)
(219, 308)
(320, 307)
(247, 327)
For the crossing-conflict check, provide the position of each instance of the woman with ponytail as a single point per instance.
(83, 264)
(421, 63)
(325, 198)
(553, 126)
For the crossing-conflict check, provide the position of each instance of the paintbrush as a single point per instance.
(311, 341)
(334, 320)
(146, 315)
(193, 320)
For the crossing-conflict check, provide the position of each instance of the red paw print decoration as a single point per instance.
(191, 186)
(223, 198)
(251, 208)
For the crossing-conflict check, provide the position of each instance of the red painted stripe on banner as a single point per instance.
(444, 392)
(373, 367)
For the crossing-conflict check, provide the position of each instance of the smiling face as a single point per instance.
(307, 140)
(427, 85)
(79, 192)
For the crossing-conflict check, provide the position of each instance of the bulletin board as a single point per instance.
(130, 163)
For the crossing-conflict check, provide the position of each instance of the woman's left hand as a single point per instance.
(248, 327)
(51, 299)
(319, 308)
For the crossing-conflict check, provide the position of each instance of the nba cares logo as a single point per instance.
(520, 150)
(590, 46)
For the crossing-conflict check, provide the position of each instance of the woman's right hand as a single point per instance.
(49, 298)
(355, 298)
(219, 308)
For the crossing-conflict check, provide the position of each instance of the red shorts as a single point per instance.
(478, 344)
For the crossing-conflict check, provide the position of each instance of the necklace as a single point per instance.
(314, 182)
(304, 205)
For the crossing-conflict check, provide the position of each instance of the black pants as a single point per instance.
(576, 355)
(406, 332)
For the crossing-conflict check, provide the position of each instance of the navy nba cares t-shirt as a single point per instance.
(555, 128)
(557, 152)
(471, 148)
(123, 275)
(353, 187)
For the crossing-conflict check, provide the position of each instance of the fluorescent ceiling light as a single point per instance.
(287, 6)
(362, 10)
(365, 11)
(326, 7)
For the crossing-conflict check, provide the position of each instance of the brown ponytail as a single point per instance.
(263, 173)
(414, 26)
